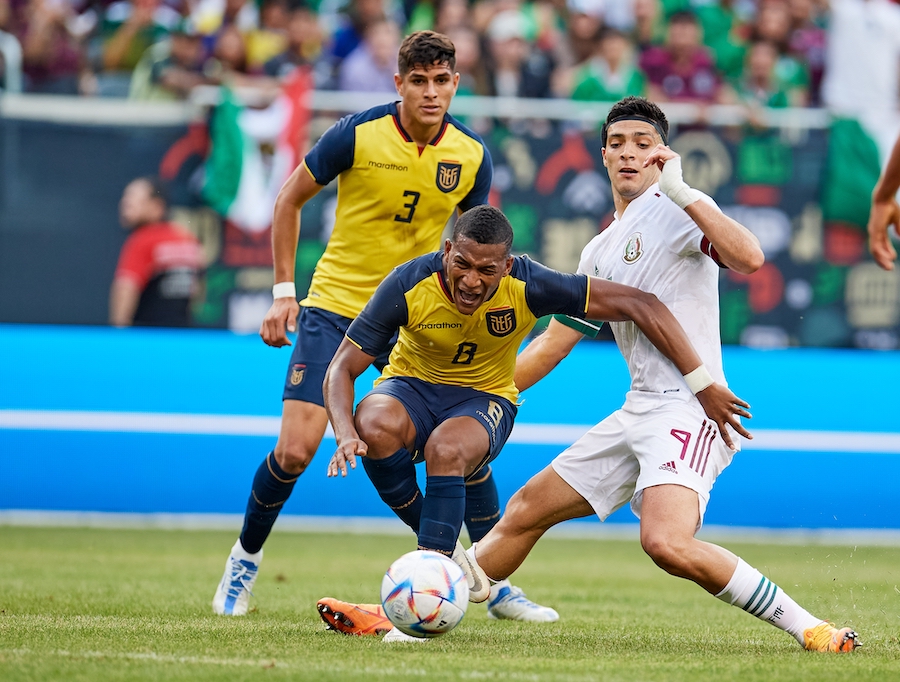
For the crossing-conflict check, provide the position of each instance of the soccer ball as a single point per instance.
(424, 594)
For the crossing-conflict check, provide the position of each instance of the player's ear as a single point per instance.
(509, 264)
(398, 83)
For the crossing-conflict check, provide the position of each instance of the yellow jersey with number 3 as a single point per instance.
(393, 199)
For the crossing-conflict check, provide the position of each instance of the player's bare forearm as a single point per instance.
(348, 363)
(544, 353)
(738, 247)
(299, 188)
(885, 212)
(617, 303)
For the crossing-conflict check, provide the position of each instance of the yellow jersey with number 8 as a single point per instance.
(393, 199)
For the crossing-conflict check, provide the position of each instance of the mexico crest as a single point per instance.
(297, 374)
(448, 175)
(634, 248)
(501, 322)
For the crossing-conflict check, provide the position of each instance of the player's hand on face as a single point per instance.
(659, 155)
(882, 216)
(345, 455)
(281, 319)
(724, 407)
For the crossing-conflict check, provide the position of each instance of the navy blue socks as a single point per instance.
(272, 487)
(482, 504)
(395, 480)
(442, 513)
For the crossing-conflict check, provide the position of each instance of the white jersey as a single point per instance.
(656, 247)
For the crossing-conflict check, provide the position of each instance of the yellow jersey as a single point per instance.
(441, 345)
(393, 200)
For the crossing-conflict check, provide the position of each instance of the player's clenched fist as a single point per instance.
(281, 318)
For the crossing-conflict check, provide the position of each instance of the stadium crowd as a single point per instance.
(759, 52)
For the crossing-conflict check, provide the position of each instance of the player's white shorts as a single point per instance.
(652, 440)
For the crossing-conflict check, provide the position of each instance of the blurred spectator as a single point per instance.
(517, 67)
(611, 73)
(53, 58)
(270, 38)
(451, 14)
(130, 27)
(473, 77)
(372, 65)
(773, 25)
(210, 16)
(762, 84)
(583, 27)
(807, 43)
(649, 24)
(723, 33)
(171, 68)
(682, 70)
(862, 67)
(304, 48)
(360, 15)
(158, 267)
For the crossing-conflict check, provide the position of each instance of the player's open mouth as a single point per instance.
(627, 171)
(467, 298)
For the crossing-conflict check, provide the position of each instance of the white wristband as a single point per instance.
(673, 185)
(284, 290)
(699, 379)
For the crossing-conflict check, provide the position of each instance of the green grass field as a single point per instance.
(93, 604)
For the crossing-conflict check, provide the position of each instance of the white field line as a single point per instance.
(357, 525)
(524, 434)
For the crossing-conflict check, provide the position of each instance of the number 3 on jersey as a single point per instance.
(410, 207)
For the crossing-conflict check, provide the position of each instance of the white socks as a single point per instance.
(760, 597)
(239, 553)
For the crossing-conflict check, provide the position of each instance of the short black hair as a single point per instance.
(484, 225)
(641, 108)
(425, 48)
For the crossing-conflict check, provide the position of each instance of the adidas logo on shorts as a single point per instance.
(669, 466)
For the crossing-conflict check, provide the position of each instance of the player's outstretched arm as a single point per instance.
(617, 302)
(544, 353)
(885, 212)
(281, 318)
(348, 363)
(737, 247)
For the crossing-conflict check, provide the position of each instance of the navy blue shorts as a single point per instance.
(429, 405)
(319, 333)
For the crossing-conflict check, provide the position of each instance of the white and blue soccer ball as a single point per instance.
(424, 594)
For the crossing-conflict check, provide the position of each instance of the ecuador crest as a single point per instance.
(448, 175)
(501, 322)
(297, 374)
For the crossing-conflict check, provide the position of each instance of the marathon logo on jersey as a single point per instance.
(297, 374)
(448, 174)
(388, 166)
(634, 248)
(501, 322)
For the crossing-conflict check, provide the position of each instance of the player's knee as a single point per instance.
(293, 456)
(377, 433)
(667, 552)
(444, 458)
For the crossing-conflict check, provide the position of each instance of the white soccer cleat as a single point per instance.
(232, 597)
(395, 635)
(479, 585)
(509, 602)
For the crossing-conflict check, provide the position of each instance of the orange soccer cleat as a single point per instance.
(353, 619)
(827, 638)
